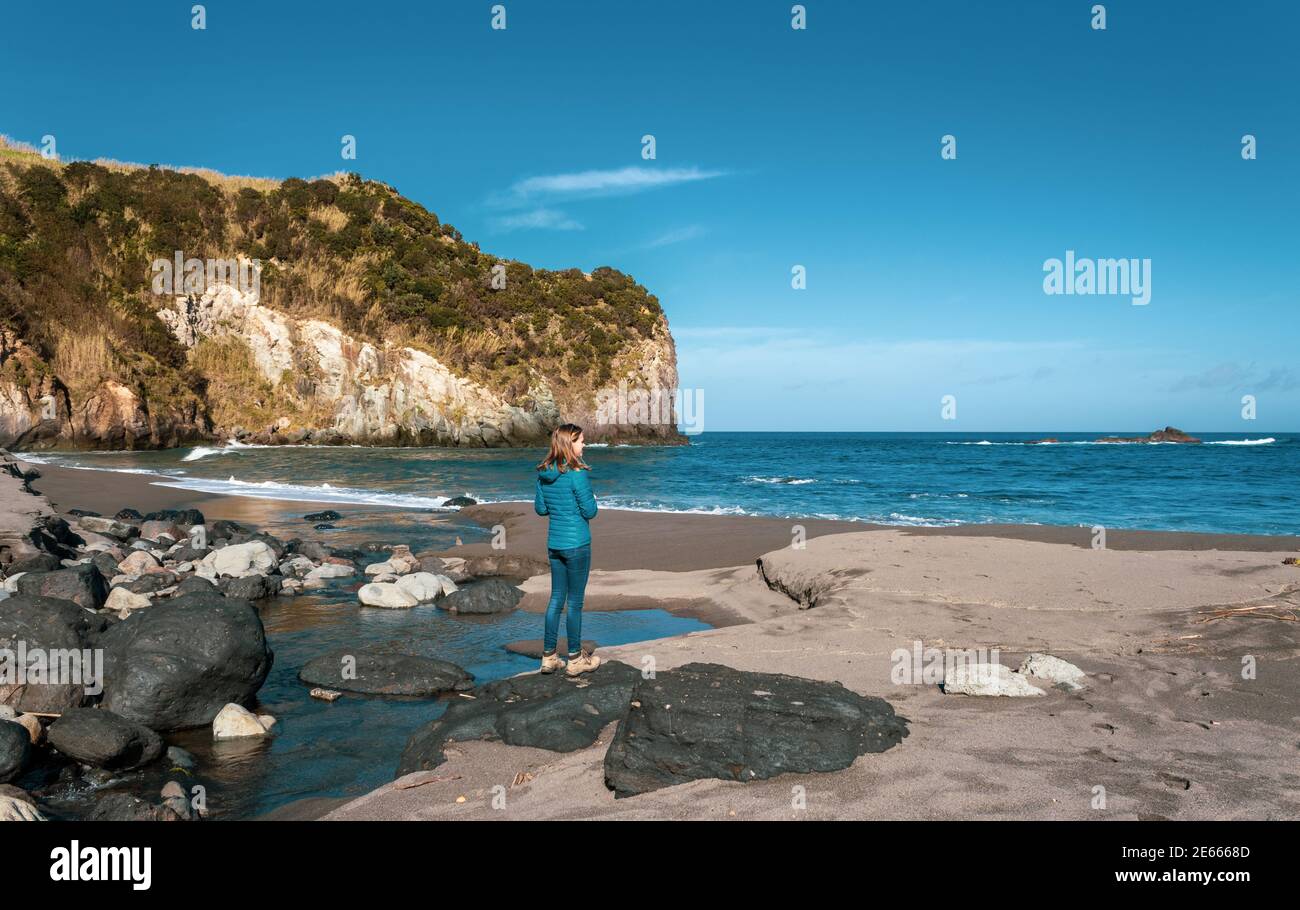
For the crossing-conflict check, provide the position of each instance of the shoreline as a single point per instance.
(734, 539)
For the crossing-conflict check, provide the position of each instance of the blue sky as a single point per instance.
(776, 148)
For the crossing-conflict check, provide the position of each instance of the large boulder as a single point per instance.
(386, 594)
(60, 630)
(177, 664)
(15, 749)
(103, 739)
(83, 585)
(492, 595)
(425, 587)
(238, 559)
(710, 721)
(547, 711)
(380, 673)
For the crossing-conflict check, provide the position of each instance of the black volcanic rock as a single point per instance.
(379, 673)
(1168, 434)
(105, 740)
(51, 626)
(83, 585)
(547, 711)
(15, 750)
(178, 663)
(493, 595)
(710, 721)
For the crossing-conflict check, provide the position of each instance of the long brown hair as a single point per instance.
(562, 454)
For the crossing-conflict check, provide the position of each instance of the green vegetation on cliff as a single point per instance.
(78, 239)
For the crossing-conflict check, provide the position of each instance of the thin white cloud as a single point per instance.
(677, 235)
(621, 181)
(537, 219)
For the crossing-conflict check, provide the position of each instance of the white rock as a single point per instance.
(138, 563)
(1045, 666)
(331, 570)
(235, 721)
(423, 586)
(448, 586)
(11, 583)
(385, 595)
(455, 567)
(986, 679)
(18, 810)
(120, 599)
(240, 559)
(7, 712)
(205, 571)
(387, 567)
(185, 567)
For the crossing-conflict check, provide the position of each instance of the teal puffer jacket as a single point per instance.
(566, 497)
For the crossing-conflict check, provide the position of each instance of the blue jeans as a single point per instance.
(569, 570)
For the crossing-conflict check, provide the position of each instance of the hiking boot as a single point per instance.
(583, 663)
(551, 663)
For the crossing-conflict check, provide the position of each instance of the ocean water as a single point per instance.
(1236, 483)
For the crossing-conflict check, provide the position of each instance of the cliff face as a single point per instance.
(372, 322)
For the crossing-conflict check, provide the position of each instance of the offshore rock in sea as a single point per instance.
(711, 721)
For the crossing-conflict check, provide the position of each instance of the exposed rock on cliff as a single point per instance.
(127, 319)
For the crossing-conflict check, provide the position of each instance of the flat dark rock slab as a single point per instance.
(379, 673)
(709, 721)
(532, 647)
(547, 711)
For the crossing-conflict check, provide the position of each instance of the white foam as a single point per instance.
(1269, 440)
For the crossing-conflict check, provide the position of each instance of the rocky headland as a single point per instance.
(367, 320)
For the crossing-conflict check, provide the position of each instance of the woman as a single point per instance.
(564, 493)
